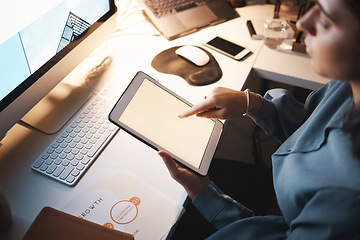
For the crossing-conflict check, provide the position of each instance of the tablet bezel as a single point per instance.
(125, 99)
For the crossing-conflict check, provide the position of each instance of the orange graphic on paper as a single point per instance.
(124, 212)
(109, 225)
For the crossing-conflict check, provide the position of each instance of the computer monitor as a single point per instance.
(41, 42)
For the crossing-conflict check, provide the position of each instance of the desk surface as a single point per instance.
(28, 192)
(290, 67)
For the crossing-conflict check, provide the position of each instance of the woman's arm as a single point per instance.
(281, 114)
(331, 213)
(278, 113)
(224, 103)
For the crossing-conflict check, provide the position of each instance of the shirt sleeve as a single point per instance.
(329, 214)
(218, 208)
(235, 221)
(281, 114)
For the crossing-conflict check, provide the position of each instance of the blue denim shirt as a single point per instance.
(316, 176)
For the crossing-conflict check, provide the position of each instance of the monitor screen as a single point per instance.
(41, 35)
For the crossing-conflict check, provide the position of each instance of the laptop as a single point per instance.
(176, 18)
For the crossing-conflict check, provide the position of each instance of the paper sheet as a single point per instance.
(124, 202)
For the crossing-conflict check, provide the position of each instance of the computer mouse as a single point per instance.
(193, 54)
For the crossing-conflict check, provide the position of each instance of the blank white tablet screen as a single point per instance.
(153, 113)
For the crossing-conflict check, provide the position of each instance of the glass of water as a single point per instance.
(275, 30)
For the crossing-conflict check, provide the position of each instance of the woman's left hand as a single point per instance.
(192, 183)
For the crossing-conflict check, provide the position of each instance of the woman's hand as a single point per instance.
(192, 183)
(224, 103)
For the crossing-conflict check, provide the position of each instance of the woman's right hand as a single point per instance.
(224, 103)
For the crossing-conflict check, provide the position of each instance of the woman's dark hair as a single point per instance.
(354, 6)
(352, 126)
(352, 121)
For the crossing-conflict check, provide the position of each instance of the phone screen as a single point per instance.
(226, 46)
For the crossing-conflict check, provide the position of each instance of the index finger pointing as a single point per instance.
(198, 108)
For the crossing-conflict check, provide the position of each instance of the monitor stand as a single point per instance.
(54, 110)
(63, 101)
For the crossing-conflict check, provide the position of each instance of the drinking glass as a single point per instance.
(276, 27)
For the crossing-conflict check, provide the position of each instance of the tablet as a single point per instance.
(149, 111)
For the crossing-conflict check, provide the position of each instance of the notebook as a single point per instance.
(176, 18)
(56, 225)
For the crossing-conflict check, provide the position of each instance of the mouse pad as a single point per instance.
(169, 62)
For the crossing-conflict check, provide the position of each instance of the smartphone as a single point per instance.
(227, 48)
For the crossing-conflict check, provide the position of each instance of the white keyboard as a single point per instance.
(69, 156)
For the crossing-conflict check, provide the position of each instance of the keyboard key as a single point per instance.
(38, 163)
(43, 167)
(45, 156)
(66, 172)
(50, 150)
(70, 179)
(49, 161)
(65, 162)
(98, 144)
(58, 171)
(58, 161)
(74, 162)
(80, 166)
(75, 172)
(51, 169)
(85, 160)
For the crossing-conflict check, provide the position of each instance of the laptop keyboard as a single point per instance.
(68, 157)
(162, 8)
